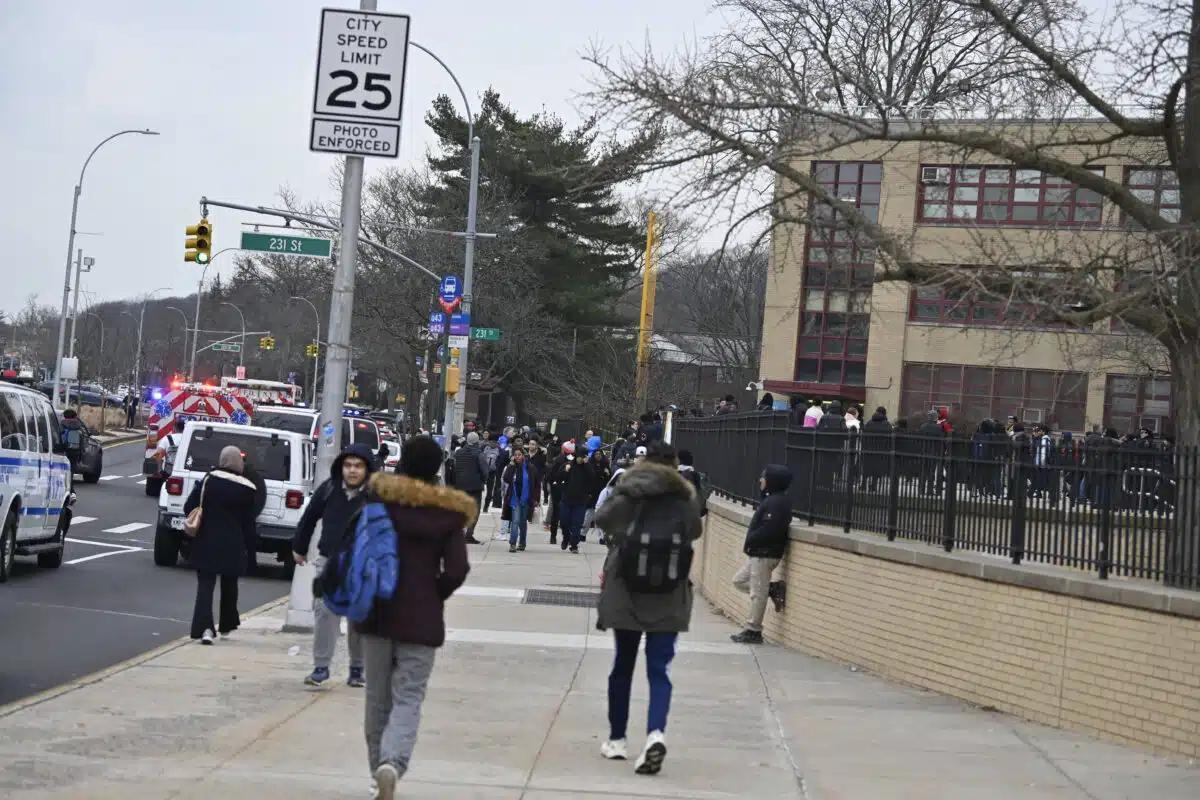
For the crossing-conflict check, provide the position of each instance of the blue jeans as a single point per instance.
(519, 525)
(660, 650)
(572, 524)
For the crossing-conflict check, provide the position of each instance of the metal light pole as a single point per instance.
(62, 320)
(137, 361)
(242, 351)
(317, 342)
(199, 294)
(100, 360)
(81, 265)
(457, 406)
(179, 311)
(341, 309)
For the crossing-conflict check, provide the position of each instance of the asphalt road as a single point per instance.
(108, 602)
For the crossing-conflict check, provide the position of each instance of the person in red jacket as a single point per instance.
(401, 634)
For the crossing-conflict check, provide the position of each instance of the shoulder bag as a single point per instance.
(191, 524)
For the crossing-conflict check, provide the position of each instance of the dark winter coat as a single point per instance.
(767, 535)
(579, 483)
(331, 507)
(470, 468)
(876, 443)
(429, 521)
(227, 530)
(619, 608)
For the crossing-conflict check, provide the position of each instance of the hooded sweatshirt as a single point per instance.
(333, 504)
(767, 535)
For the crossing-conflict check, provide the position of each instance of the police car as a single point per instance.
(35, 480)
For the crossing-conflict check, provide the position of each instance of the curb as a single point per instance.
(123, 439)
(103, 674)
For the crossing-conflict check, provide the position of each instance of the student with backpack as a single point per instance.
(72, 437)
(334, 504)
(651, 520)
(402, 632)
(687, 467)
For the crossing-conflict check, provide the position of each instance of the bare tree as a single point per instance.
(792, 81)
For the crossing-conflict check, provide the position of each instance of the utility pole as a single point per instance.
(81, 265)
(646, 322)
(456, 406)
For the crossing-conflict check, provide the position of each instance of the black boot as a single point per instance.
(748, 637)
(777, 591)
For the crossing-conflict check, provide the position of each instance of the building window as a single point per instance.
(839, 271)
(942, 306)
(1057, 399)
(1157, 188)
(1004, 196)
(1132, 402)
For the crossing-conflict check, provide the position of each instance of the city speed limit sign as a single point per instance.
(360, 65)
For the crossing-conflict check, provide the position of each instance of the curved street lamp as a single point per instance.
(317, 342)
(62, 320)
(199, 294)
(242, 351)
(179, 311)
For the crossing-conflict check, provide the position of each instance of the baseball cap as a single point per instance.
(641, 451)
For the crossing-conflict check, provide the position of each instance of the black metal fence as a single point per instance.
(1096, 505)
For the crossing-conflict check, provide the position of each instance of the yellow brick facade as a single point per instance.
(894, 339)
(1124, 674)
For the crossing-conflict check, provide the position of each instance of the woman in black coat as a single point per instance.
(223, 544)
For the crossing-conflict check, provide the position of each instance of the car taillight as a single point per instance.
(294, 499)
(175, 486)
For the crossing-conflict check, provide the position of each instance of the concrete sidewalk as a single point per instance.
(516, 709)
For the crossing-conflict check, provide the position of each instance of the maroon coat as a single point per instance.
(429, 521)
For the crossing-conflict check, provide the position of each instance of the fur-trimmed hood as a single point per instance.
(651, 480)
(402, 490)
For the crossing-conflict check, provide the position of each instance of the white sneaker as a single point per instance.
(386, 776)
(653, 753)
(226, 635)
(206, 637)
(613, 749)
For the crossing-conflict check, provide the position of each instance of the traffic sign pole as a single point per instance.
(456, 407)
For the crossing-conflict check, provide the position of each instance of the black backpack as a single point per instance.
(656, 554)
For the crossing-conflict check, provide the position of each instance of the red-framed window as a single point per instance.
(835, 306)
(1132, 402)
(1000, 195)
(1057, 399)
(938, 305)
(1157, 188)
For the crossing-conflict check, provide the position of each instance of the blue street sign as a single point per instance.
(450, 289)
(460, 324)
(420, 362)
(437, 323)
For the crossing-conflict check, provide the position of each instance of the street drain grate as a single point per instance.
(556, 597)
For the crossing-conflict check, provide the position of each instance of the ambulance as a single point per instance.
(262, 392)
(191, 402)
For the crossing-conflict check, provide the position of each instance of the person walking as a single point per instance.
(221, 544)
(491, 457)
(402, 634)
(651, 520)
(578, 478)
(333, 504)
(522, 492)
(72, 437)
(556, 476)
(470, 476)
(766, 543)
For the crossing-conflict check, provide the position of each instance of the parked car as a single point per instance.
(285, 462)
(36, 496)
(91, 460)
(87, 394)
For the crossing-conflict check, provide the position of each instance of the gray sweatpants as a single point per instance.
(754, 578)
(397, 675)
(327, 627)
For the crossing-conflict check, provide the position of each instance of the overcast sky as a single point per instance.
(229, 83)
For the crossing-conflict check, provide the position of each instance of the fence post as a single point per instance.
(893, 506)
(812, 481)
(850, 479)
(949, 506)
(1110, 474)
(1016, 542)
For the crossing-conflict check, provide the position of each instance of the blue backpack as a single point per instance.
(364, 568)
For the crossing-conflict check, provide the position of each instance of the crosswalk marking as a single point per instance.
(134, 476)
(110, 477)
(142, 482)
(128, 527)
(81, 520)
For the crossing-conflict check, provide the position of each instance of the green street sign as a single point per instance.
(486, 334)
(286, 245)
(227, 347)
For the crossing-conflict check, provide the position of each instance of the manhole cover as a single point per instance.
(557, 597)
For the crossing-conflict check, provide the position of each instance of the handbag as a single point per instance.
(191, 523)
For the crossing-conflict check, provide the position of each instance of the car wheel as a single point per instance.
(166, 547)
(152, 486)
(54, 558)
(8, 545)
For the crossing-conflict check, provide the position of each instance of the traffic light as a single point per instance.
(199, 242)
(266, 343)
(312, 351)
(452, 380)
